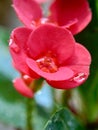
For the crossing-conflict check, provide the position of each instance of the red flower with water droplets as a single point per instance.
(72, 14)
(51, 53)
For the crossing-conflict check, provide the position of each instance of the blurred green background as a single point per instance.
(81, 101)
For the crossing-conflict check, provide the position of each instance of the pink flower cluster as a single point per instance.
(45, 47)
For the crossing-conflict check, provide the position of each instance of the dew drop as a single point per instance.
(10, 41)
(79, 78)
(44, 20)
(26, 77)
(15, 47)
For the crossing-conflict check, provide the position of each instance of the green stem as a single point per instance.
(30, 104)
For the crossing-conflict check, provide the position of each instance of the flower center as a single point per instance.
(42, 21)
(47, 64)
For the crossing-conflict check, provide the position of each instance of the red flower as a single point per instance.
(50, 52)
(28, 11)
(21, 85)
(72, 14)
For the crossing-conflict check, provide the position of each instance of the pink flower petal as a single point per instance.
(41, 1)
(18, 50)
(49, 38)
(66, 11)
(27, 11)
(80, 57)
(63, 73)
(83, 55)
(79, 78)
(20, 36)
(79, 64)
(22, 88)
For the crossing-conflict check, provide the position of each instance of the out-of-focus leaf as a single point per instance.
(63, 120)
(4, 35)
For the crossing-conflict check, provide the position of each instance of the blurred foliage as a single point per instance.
(63, 120)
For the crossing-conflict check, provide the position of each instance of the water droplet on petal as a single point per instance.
(15, 47)
(79, 78)
(44, 20)
(27, 79)
(10, 41)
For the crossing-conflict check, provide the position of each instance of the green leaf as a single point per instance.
(63, 120)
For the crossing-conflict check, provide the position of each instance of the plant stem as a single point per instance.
(30, 104)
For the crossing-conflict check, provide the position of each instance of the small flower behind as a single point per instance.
(21, 86)
(74, 15)
(48, 52)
